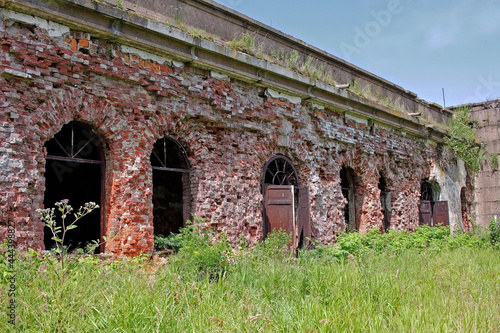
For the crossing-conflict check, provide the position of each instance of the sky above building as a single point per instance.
(421, 45)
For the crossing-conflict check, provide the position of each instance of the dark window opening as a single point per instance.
(426, 192)
(171, 201)
(465, 210)
(347, 186)
(74, 170)
(385, 201)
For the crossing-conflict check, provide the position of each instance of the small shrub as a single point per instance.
(245, 44)
(494, 232)
(494, 161)
(396, 242)
(323, 252)
(171, 242)
(350, 242)
(202, 252)
(276, 246)
(466, 240)
(293, 60)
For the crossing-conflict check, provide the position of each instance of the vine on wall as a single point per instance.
(463, 140)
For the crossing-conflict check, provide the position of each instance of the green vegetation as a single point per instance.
(307, 66)
(366, 92)
(463, 141)
(494, 161)
(58, 232)
(179, 23)
(426, 281)
(245, 44)
(494, 233)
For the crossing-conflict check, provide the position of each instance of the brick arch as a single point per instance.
(73, 105)
(98, 114)
(166, 125)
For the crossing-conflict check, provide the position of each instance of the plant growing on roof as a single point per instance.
(245, 44)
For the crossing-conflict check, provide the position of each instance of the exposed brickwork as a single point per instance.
(228, 128)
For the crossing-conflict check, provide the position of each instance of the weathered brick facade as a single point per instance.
(52, 75)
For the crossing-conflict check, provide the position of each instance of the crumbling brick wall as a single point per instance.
(229, 129)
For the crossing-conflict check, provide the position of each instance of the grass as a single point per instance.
(440, 284)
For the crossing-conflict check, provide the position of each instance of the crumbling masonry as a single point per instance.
(113, 105)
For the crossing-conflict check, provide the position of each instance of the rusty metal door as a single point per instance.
(440, 213)
(425, 212)
(303, 221)
(279, 207)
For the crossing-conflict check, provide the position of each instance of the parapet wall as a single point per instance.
(227, 25)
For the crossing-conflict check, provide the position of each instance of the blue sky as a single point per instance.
(421, 45)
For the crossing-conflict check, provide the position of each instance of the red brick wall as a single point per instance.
(228, 128)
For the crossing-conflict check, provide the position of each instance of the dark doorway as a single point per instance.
(431, 211)
(171, 199)
(286, 203)
(347, 185)
(426, 192)
(465, 210)
(385, 202)
(426, 203)
(74, 170)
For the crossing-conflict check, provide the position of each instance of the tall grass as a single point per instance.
(438, 286)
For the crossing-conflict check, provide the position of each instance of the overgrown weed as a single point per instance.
(364, 283)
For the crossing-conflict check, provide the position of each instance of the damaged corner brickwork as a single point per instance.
(52, 75)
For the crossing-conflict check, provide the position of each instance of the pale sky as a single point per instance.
(421, 45)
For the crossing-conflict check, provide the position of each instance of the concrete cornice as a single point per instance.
(126, 27)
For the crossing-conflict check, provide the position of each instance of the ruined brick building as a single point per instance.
(131, 107)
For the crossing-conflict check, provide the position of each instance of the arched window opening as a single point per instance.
(426, 192)
(385, 201)
(280, 171)
(347, 186)
(171, 190)
(74, 170)
(426, 203)
(286, 203)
